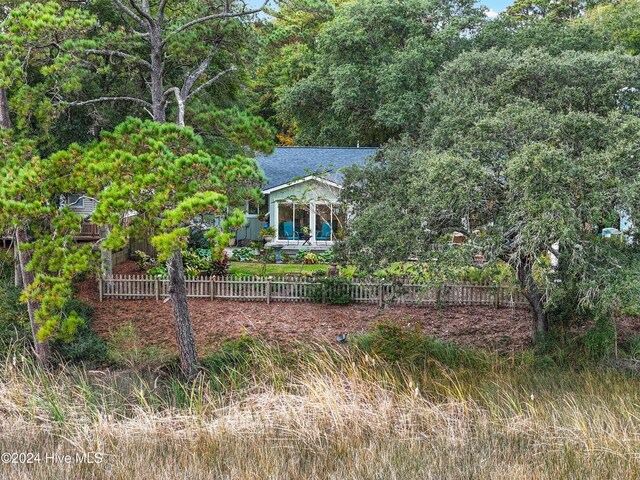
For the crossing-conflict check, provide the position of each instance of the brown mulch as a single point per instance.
(504, 329)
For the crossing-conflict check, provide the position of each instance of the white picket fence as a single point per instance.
(303, 289)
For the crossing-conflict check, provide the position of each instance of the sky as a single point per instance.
(496, 6)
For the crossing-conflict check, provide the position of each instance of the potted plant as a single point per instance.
(268, 233)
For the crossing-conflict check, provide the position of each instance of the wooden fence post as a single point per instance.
(100, 286)
(268, 292)
(496, 298)
(212, 288)
(380, 294)
(156, 288)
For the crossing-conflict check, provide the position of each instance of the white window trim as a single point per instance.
(312, 224)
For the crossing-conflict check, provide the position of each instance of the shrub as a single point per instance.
(14, 319)
(393, 343)
(633, 347)
(220, 266)
(228, 365)
(197, 239)
(310, 258)
(143, 260)
(333, 290)
(194, 263)
(600, 339)
(85, 345)
(126, 349)
(158, 271)
(270, 255)
(300, 254)
(244, 254)
(327, 256)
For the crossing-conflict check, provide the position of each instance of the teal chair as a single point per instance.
(288, 233)
(325, 233)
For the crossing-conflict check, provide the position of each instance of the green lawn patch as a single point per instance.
(250, 268)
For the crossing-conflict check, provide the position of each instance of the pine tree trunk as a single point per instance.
(17, 271)
(5, 120)
(181, 319)
(158, 103)
(530, 290)
(42, 349)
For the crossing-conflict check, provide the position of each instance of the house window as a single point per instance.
(75, 201)
(293, 221)
(330, 220)
(253, 209)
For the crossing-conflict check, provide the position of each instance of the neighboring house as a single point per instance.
(81, 204)
(301, 196)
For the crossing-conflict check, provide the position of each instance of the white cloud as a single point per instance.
(491, 13)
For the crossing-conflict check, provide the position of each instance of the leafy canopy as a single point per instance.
(525, 154)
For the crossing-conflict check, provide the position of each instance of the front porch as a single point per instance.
(291, 248)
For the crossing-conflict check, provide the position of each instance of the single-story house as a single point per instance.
(301, 196)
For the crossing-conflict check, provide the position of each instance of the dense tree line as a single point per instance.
(520, 132)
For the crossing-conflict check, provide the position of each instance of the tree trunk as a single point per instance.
(5, 120)
(28, 278)
(181, 319)
(530, 290)
(157, 72)
(17, 271)
(106, 255)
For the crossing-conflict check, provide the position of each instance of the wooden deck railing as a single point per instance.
(301, 289)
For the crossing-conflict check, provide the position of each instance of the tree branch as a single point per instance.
(123, 8)
(141, 12)
(211, 81)
(180, 100)
(111, 99)
(117, 53)
(161, 7)
(225, 14)
(190, 80)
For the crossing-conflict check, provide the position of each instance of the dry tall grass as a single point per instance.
(326, 414)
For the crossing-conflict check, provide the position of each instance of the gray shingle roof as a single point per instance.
(288, 163)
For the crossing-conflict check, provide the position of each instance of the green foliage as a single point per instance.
(158, 271)
(268, 231)
(195, 263)
(14, 320)
(197, 239)
(375, 63)
(618, 21)
(392, 342)
(524, 154)
(300, 254)
(143, 260)
(333, 290)
(36, 63)
(328, 256)
(85, 345)
(126, 349)
(231, 362)
(30, 191)
(174, 179)
(220, 266)
(633, 347)
(600, 339)
(244, 254)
